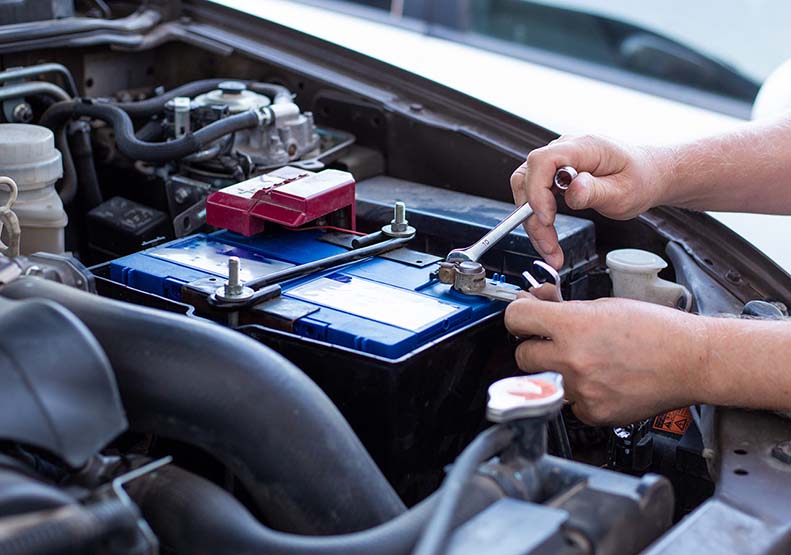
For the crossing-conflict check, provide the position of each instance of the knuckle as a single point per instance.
(591, 140)
(536, 156)
(517, 180)
(533, 226)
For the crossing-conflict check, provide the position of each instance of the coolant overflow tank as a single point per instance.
(29, 157)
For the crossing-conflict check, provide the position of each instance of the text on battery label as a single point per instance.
(382, 303)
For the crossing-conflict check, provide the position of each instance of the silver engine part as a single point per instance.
(292, 136)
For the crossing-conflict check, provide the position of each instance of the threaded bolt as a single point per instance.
(400, 213)
(233, 287)
(399, 222)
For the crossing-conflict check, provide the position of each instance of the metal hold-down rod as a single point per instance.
(328, 262)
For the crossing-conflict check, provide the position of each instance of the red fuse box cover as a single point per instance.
(288, 196)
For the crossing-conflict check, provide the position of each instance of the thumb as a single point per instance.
(528, 316)
(587, 191)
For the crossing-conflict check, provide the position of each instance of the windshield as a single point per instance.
(749, 35)
(714, 50)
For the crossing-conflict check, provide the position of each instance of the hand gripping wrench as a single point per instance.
(563, 178)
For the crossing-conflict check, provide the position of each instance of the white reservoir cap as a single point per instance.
(28, 155)
(635, 261)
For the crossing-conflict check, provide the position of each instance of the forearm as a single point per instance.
(746, 170)
(748, 364)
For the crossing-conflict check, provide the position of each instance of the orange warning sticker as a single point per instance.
(674, 421)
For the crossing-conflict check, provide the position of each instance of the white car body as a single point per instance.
(557, 100)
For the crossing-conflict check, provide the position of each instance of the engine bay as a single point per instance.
(237, 264)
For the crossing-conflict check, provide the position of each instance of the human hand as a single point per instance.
(621, 360)
(618, 181)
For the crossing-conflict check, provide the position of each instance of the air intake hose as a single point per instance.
(202, 384)
(191, 515)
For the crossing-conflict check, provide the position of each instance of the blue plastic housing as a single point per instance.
(377, 306)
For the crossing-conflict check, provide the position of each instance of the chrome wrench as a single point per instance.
(548, 290)
(563, 178)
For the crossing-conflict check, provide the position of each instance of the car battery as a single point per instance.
(405, 358)
(382, 307)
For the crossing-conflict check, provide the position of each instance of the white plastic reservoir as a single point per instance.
(29, 157)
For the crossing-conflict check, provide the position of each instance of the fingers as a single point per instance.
(537, 355)
(532, 183)
(587, 191)
(545, 240)
(528, 316)
(539, 177)
(518, 185)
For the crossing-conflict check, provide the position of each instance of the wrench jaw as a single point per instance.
(458, 256)
(548, 290)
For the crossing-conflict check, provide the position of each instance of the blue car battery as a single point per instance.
(377, 306)
(405, 358)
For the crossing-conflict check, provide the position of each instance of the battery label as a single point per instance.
(212, 256)
(368, 299)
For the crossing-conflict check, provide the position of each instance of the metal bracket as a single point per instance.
(403, 255)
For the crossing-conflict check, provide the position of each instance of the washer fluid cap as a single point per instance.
(235, 95)
(28, 155)
(635, 261)
(537, 395)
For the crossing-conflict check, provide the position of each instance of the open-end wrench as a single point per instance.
(563, 178)
(548, 290)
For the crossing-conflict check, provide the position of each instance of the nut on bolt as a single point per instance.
(233, 290)
(399, 226)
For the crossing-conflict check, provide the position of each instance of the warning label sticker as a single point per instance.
(674, 421)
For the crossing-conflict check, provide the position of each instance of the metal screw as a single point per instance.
(782, 452)
(181, 194)
(399, 225)
(22, 113)
(733, 276)
(399, 222)
(233, 287)
(233, 290)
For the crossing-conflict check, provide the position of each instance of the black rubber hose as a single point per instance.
(60, 113)
(20, 494)
(151, 131)
(82, 154)
(70, 529)
(488, 444)
(68, 183)
(208, 386)
(155, 105)
(192, 515)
